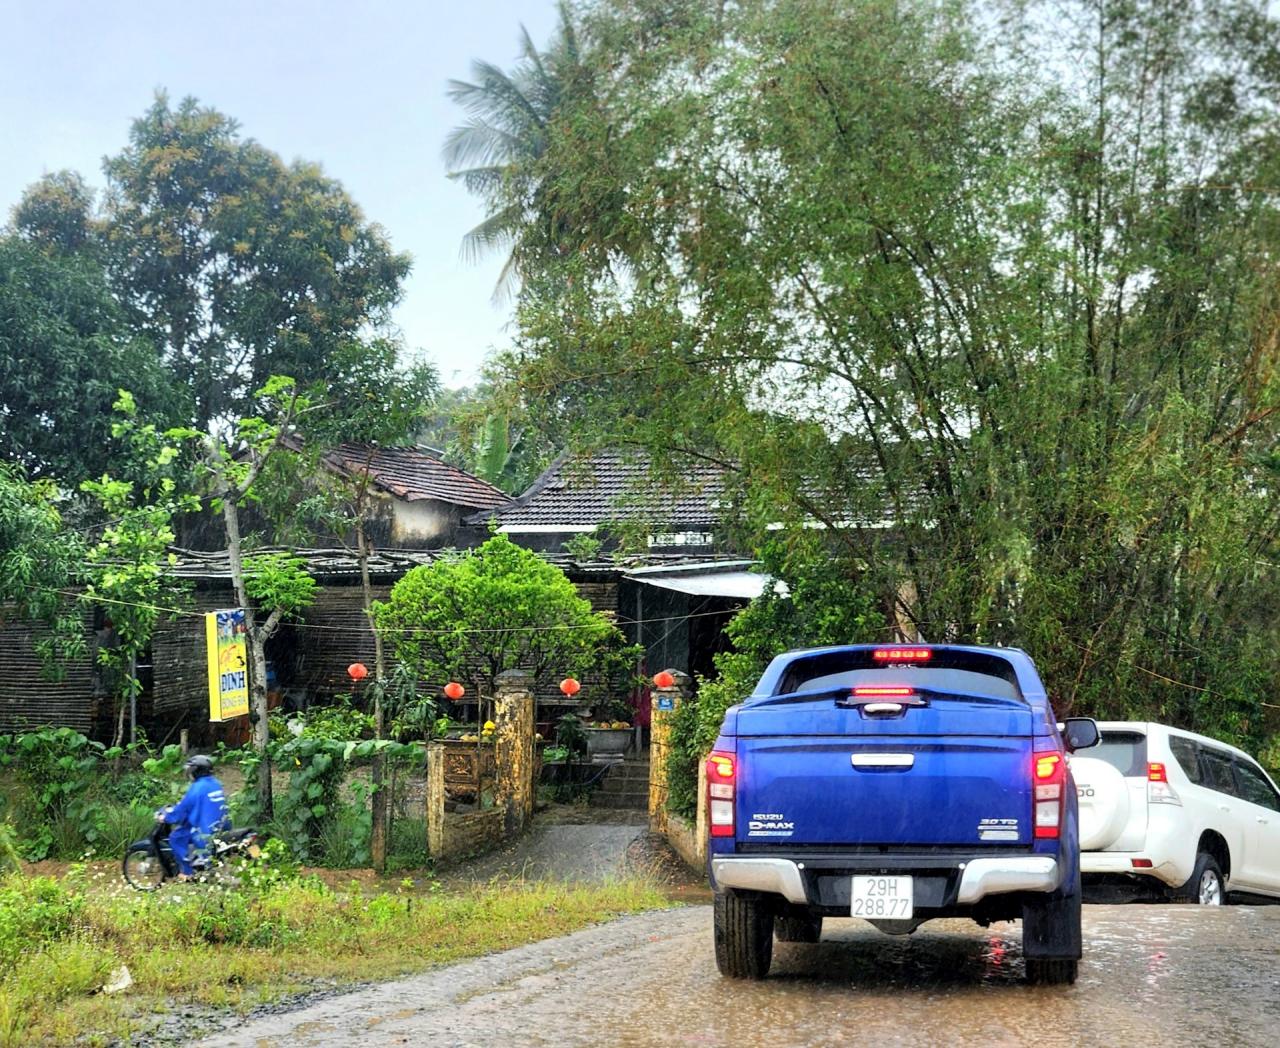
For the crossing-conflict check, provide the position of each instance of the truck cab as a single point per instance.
(896, 783)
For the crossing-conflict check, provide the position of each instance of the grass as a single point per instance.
(198, 947)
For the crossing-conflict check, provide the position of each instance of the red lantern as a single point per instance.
(570, 687)
(453, 690)
(663, 679)
(357, 671)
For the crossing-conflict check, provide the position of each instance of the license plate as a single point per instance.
(882, 898)
(254, 851)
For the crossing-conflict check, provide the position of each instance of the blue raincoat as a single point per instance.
(195, 818)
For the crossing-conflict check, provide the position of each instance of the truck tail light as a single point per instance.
(901, 654)
(1048, 775)
(1158, 789)
(722, 770)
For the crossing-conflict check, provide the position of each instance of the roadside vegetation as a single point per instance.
(200, 950)
(983, 297)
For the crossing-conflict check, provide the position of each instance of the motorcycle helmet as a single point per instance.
(198, 765)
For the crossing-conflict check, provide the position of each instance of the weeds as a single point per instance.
(60, 940)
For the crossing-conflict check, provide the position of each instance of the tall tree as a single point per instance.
(57, 215)
(273, 586)
(65, 349)
(506, 154)
(893, 273)
(127, 567)
(238, 265)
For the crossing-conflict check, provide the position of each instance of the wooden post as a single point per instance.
(513, 747)
(435, 800)
(664, 703)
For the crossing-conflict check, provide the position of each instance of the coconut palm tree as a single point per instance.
(497, 153)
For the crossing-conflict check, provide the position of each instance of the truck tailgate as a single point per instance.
(953, 773)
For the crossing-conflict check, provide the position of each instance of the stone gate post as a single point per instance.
(513, 747)
(664, 703)
(435, 800)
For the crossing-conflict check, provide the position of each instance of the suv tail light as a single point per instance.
(722, 769)
(1048, 775)
(1158, 789)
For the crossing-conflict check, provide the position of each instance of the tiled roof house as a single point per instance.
(577, 495)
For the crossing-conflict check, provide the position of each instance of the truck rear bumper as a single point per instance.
(978, 878)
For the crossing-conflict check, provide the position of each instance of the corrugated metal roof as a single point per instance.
(616, 486)
(413, 474)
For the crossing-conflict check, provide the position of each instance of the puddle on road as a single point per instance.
(1170, 975)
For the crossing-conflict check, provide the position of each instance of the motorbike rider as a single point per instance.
(201, 812)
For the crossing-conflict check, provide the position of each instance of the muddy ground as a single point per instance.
(1166, 975)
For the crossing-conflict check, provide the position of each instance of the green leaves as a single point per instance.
(39, 563)
(239, 265)
(279, 581)
(1005, 342)
(475, 614)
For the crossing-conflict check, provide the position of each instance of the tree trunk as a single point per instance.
(378, 773)
(257, 643)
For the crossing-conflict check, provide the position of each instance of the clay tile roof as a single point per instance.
(413, 474)
(615, 486)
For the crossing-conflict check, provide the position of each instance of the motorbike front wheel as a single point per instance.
(143, 869)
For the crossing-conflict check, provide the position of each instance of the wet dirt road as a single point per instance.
(1160, 975)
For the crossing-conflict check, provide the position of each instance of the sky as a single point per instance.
(358, 86)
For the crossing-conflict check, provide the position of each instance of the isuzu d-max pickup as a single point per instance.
(895, 783)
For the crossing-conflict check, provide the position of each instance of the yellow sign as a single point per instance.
(228, 664)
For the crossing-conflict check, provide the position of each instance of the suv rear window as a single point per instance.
(1217, 769)
(1126, 751)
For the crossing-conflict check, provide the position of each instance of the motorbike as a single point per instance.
(150, 862)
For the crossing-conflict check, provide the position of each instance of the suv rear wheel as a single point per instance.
(1206, 886)
(744, 936)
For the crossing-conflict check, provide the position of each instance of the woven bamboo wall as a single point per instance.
(28, 699)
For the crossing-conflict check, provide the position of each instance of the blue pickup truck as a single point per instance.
(896, 783)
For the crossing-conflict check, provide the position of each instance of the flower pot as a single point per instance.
(607, 745)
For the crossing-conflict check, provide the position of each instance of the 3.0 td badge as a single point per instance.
(998, 830)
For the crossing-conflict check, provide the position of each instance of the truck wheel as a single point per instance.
(1051, 971)
(744, 936)
(1052, 939)
(798, 929)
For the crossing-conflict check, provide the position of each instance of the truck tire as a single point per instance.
(1046, 971)
(744, 936)
(798, 929)
(1051, 937)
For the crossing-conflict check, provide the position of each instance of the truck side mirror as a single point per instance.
(1080, 733)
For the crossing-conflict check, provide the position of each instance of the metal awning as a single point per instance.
(726, 579)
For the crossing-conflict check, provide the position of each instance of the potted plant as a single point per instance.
(609, 733)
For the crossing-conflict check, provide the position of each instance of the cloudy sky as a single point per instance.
(359, 87)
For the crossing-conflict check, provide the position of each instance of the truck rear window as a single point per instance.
(967, 673)
(1126, 751)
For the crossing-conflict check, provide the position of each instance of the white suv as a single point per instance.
(1199, 816)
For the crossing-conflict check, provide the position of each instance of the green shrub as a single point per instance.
(34, 912)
